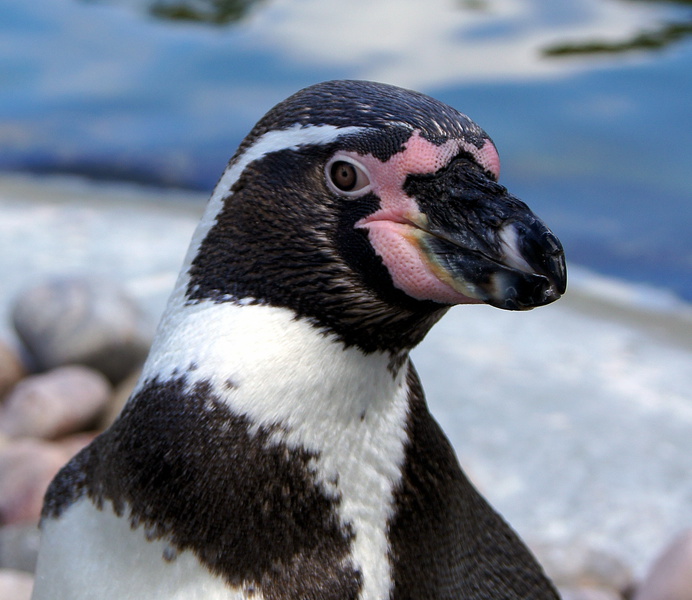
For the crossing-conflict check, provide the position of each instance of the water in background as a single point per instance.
(587, 100)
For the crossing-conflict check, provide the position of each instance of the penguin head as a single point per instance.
(370, 210)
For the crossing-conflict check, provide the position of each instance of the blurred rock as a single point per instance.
(578, 567)
(588, 593)
(15, 585)
(19, 547)
(82, 320)
(72, 444)
(62, 401)
(26, 468)
(11, 368)
(670, 577)
(118, 399)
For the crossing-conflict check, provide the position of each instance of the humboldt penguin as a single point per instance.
(278, 445)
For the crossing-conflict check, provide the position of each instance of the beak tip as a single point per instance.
(524, 291)
(558, 274)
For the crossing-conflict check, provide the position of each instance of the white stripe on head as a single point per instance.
(277, 140)
(273, 141)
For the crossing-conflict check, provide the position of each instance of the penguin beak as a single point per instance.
(485, 243)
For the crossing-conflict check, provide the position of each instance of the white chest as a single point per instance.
(345, 408)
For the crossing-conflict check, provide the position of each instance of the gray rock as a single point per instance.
(53, 404)
(82, 320)
(15, 585)
(11, 368)
(19, 547)
(670, 577)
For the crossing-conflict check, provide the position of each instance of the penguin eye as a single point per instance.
(344, 175)
(347, 177)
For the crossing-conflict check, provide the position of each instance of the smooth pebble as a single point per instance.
(83, 320)
(670, 576)
(15, 585)
(11, 368)
(53, 404)
(27, 466)
(19, 546)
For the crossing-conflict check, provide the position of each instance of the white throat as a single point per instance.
(345, 406)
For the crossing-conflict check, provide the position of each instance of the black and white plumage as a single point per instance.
(278, 445)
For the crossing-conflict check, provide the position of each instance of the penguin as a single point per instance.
(278, 445)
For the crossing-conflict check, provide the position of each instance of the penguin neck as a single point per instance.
(299, 390)
(278, 370)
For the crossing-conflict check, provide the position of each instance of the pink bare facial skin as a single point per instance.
(393, 230)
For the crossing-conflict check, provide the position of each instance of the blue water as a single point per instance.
(598, 145)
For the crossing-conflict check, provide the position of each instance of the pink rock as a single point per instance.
(670, 577)
(65, 400)
(27, 466)
(120, 396)
(15, 585)
(11, 368)
(72, 444)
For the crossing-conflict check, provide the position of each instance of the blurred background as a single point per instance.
(118, 116)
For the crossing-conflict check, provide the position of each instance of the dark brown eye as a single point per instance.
(347, 177)
(344, 175)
